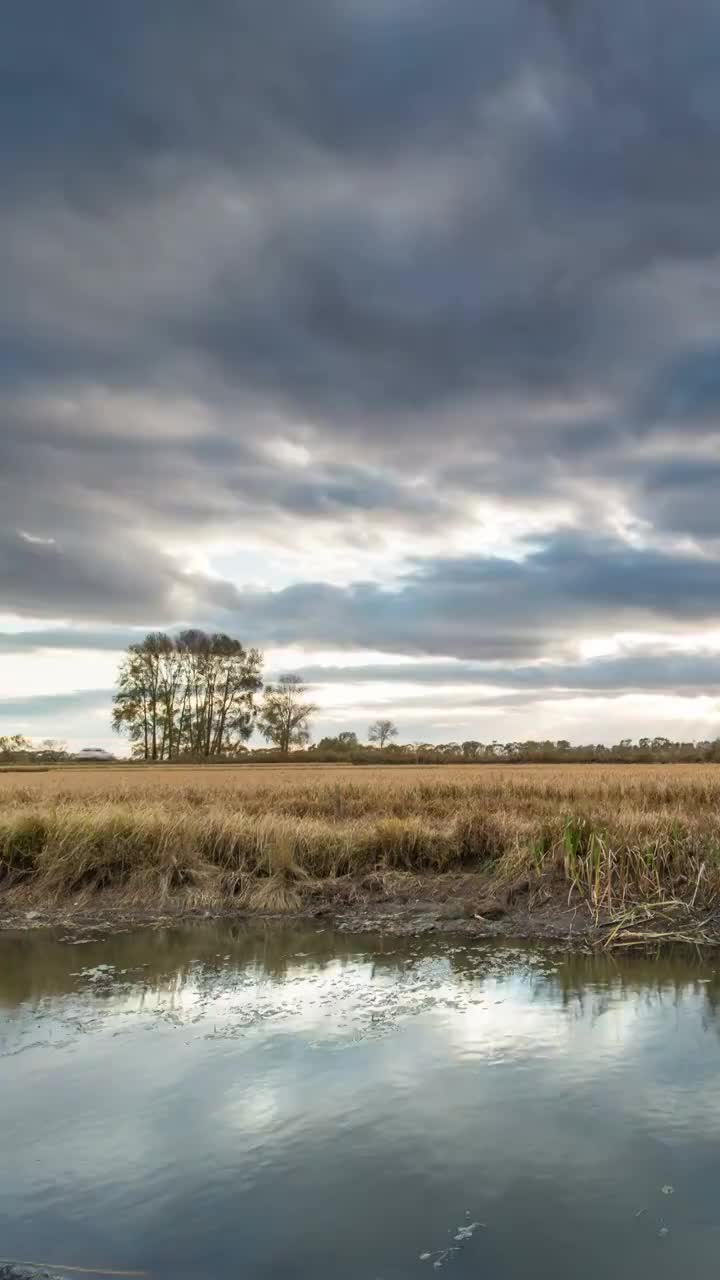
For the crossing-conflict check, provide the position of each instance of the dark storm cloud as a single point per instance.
(103, 578)
(460, 251)
(230, 83)
(496, 609)
(109, 478)
(682, 495)
(644, 671)
(72, 638)
(561, 144)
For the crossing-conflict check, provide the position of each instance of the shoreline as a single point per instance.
(582, 857)
(427, 905)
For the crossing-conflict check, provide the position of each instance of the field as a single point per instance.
(270, 837)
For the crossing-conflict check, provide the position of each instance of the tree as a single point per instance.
(284, 715)
(344, 742)
(51, 750)
(14, 746)
(381, 731)
(130, 704)
(219, 679)
(189, 695)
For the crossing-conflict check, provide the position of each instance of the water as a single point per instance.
(217, 1102)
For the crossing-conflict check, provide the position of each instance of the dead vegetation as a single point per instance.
(638, 846)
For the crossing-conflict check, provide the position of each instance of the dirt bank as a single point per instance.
(452, 903)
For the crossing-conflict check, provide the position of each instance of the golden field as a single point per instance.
(112, 780)
(266, 836)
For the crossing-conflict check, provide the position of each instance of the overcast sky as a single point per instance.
(382, 334)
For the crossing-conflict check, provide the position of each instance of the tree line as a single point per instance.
(347, 748)
(658, 750)
(200, 696)
(15, 748)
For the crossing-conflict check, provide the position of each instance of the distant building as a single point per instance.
(93, 753)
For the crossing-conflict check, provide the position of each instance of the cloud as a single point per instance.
(400, 281)
(665, 672)
(105, 577)
(44, 705)
(493, 608)
(272, 202)
(63, 638)
(334, 295)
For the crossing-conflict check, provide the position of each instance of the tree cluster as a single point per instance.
(196, 696)
(188, 695)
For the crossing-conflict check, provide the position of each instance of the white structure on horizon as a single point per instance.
(93, 753)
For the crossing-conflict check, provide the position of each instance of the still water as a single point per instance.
(220, 1101)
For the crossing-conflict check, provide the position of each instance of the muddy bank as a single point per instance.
(450, 904)
(398, 904)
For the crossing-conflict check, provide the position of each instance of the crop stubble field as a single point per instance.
(265, 837)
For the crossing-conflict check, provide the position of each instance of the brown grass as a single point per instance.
(266, 836)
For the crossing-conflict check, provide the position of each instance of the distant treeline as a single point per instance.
(199, 696)
(644, 751)
(15, 748)
(347, 749)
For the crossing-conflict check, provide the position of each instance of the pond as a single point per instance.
(222, 1101)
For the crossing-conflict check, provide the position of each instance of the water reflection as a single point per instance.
(36, 965)
(223, 1100)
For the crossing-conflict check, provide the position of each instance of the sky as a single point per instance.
(381, 334)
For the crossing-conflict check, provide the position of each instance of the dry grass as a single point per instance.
(264, 836)
(573, 778)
